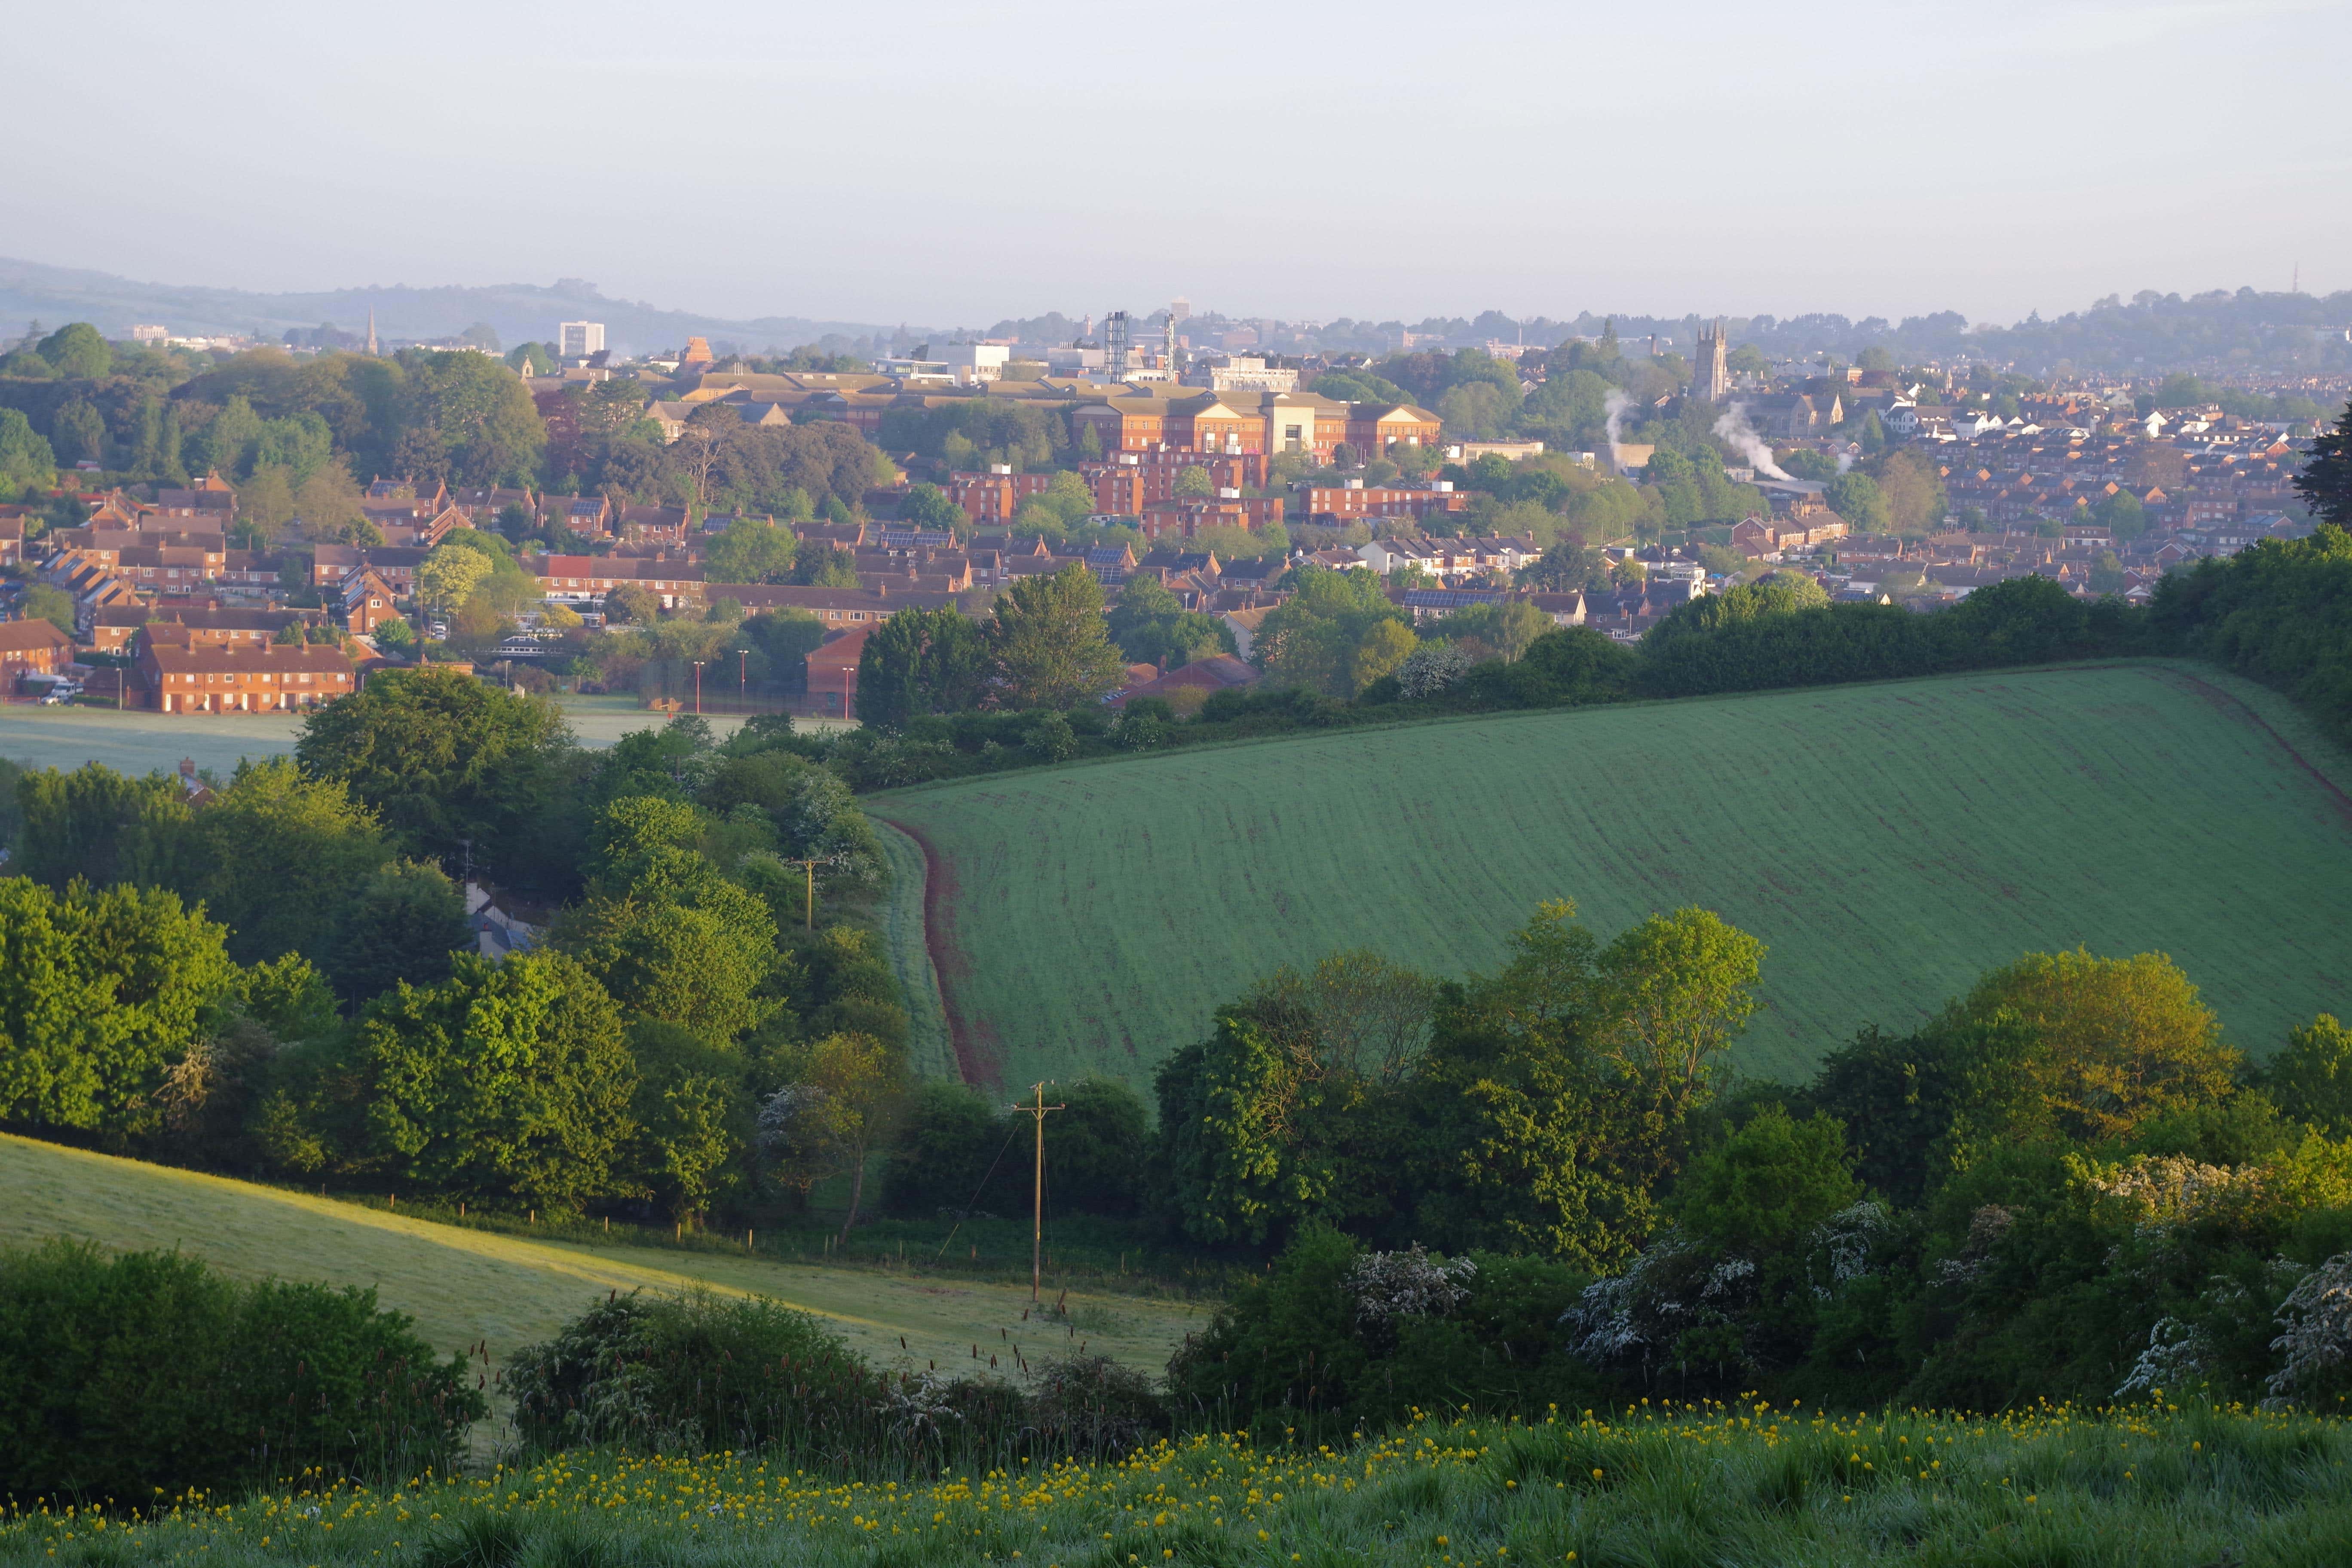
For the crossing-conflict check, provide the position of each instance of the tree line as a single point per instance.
(2066, 1185)
(282, 978)
(1339, 652)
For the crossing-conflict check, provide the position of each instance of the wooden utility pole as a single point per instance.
(1037, 1191)
(809, 918)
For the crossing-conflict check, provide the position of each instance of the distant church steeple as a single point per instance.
(1711, 373)
(372, 329)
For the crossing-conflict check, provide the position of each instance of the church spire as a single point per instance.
(372, 329)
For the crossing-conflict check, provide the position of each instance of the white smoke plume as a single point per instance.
(1616, 403)
(1845, 461)
(1734, 430)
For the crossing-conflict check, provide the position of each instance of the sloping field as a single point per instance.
(1887, 842)
(466, 1285)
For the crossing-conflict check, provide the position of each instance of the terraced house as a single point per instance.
(272, 678)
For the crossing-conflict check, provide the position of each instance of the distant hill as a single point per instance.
(519, 312)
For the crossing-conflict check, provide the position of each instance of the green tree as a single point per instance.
(669, 936)
(507, 1080)
(702, 961)
(99, 991)
(101, 826)
(474, 416)
(1856, 497)
(1293, 1111)
(265, 505)
(1192, 483)
(919, 662)
(1568, 1080)
(632, 830)
(2113, 1042)
(1051, 643)
(928, 507)
(227, 445)
(2311, 1080)
(78, 434)
(446, 761)
(55, 605)
(822, 565)
(750, 552)
(2325, 482)
(1914, 495)
(2121, 514)
(328, 502)
(835, 1109)
(77, 352)
(1151, 624)
(1765, 1189)
(281, 854)
(406, 920)
(25, 456)
(948, 1153)
(1324, 638)
(693, 1116)
(448, 576)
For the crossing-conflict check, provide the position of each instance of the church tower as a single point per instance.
(1711, 371)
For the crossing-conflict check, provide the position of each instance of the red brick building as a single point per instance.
(31, 647)
(272, 678)
(833, 673)
(366, 604)
(1343, 503)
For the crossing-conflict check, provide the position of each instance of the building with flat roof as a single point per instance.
(578, 339)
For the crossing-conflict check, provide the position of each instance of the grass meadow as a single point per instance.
(1659, 1487)
(464, 1284)
(1887, 843)
(139, 741)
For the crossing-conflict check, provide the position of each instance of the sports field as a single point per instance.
(466, 1285)
(1887, 842)
(139, 741)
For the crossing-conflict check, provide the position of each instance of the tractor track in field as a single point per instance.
(2237, 709)
(975, 1063)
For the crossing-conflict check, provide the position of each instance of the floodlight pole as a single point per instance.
(1037, 1189)
(698, 685)
(809, 920)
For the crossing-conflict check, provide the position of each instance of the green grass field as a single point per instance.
(137, 742)
(2148, 1487)
(1887, 842)
(463, 1284)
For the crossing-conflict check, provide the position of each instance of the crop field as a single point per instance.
(1887, 843)
(463, 1284)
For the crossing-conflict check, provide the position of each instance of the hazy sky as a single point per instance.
(956, 163)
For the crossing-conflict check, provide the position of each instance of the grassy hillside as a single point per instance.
(1887, 842)
(466, 1285)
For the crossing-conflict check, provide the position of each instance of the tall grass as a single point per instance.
(1665, 1486)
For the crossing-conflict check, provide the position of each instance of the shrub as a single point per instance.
(122, 1375)
(690, 1373)
(942, 1156)
(1333, 1337)
(1091, 1405)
